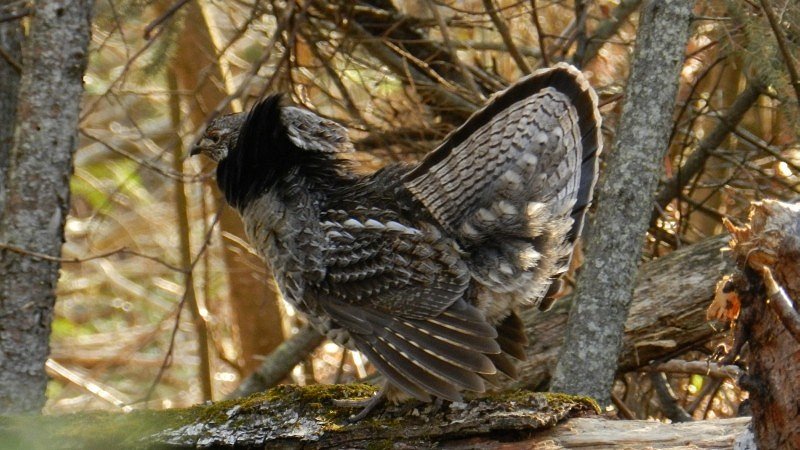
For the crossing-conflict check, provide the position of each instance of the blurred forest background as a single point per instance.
(164, 303)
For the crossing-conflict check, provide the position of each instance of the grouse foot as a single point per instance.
(368, 404)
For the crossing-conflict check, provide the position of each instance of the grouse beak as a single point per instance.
(201, 144)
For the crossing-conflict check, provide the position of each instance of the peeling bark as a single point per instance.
(37, 194)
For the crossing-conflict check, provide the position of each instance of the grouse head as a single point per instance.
(256, 150)
(219, 138)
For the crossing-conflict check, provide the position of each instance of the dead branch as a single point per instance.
(280, 362)
(706, 368)
(781, 304)
(671, 189)
(786, 54)
(668, 313)
(668, 399)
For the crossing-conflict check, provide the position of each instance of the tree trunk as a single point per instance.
(769, 321)
(10, 69)
(40, 164)
(588, 360)
(254, 306)
(205, 374)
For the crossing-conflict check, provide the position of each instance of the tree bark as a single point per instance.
(588, 361)
(767, 251)
(10, 70)
(602, 434)
(45, 137)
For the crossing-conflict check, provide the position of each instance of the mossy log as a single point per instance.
(298, 417)
(290, 417)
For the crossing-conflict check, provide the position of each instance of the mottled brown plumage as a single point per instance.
(420, 267)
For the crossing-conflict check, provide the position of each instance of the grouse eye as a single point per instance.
(215, 136)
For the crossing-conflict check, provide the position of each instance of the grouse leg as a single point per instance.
(368, 404)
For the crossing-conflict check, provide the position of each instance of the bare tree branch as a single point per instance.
(786, 55)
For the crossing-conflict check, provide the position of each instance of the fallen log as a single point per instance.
(603, 434)
(668, 314)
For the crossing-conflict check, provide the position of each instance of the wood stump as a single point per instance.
(767, 329)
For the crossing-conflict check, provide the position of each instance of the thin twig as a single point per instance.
(695, 367)
(539, 33)
(336, 77)
(609, 27)
(11, 60)
(181, 205)
(667, 398)
(163, 17)
(90, 386)
(24, 12)
(714, 388)
(254, 68)
(119, 79)
(783, 46)
(623, 409)
(340, 368)
(708, 388)
(696, 161)
(396, 59)
(121, 251)
(502, 28)
(179, 310)
(524, 50)
(760, 144)
(581, 12)
(470, 81)
(280, 362)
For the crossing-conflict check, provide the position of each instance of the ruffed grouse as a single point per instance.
(422, 268)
